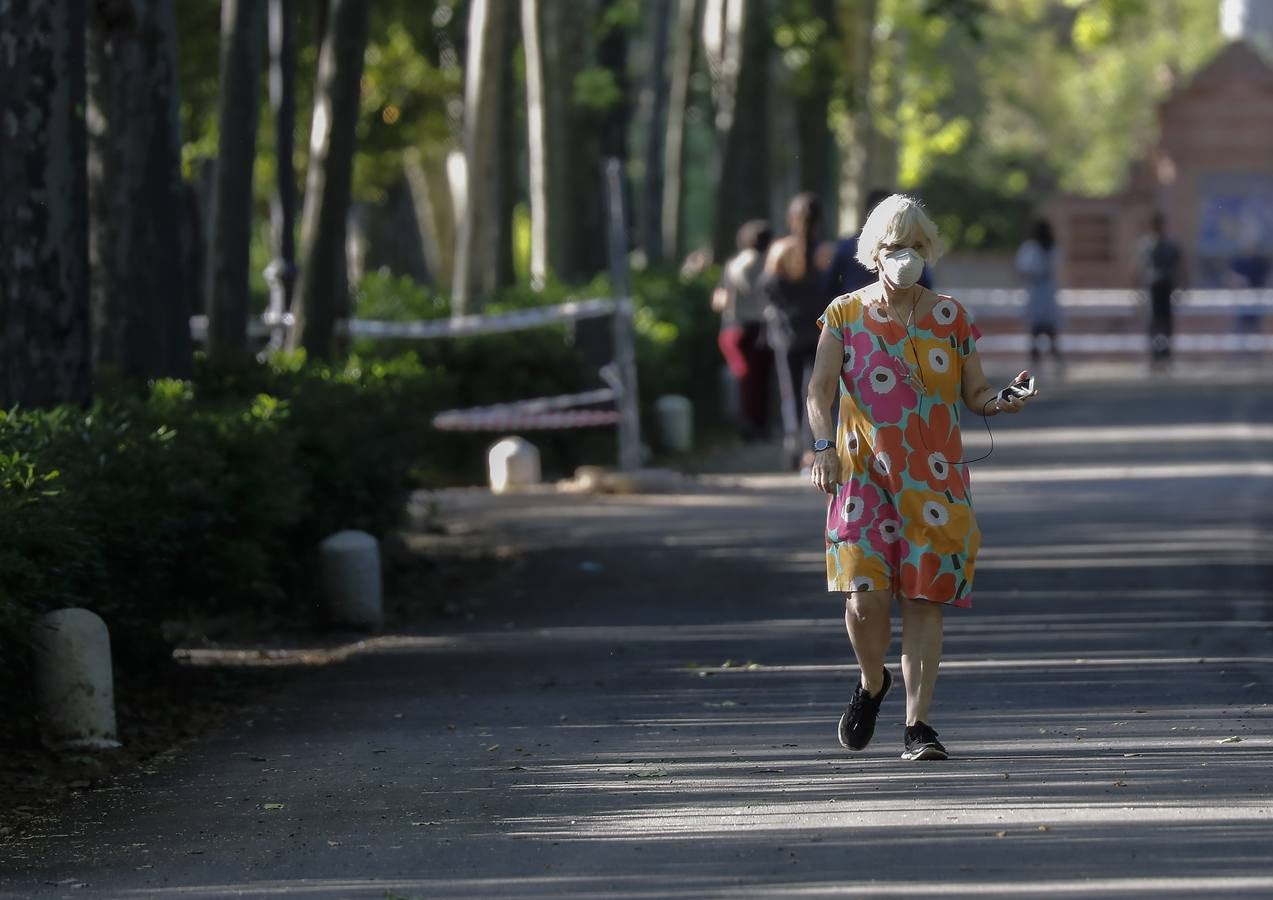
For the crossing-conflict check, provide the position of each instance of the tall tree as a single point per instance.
(230, 232)
(654, 108)
(683, 60)
(479, 238)
(141, 311)
(282, 39)
(855, 131)
(736, 42)
(323, 292)
(566, 99)
(45, 353)
(808, 37)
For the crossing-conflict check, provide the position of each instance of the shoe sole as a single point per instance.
(925, 753)
(888, 686)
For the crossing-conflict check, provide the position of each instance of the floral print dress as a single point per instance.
(902, 520)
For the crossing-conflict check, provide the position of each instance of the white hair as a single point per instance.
(898, 219)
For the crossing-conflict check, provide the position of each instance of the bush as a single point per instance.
(201, 497)
(206, 497)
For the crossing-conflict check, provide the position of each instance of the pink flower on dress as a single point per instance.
(884, 388)
(857, 350)
(855, 506)
(885, 536)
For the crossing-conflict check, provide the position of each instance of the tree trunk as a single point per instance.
(687, 18)
(813, 130)
(430, 188)
(736, 42)
(322, 295)
(45, 351)
(141, 312)
(230, 234)
(857, 137)
(612, 56)
(654, 106)
(505, 200)
(282, 38)
(476, 271)
(568, 224)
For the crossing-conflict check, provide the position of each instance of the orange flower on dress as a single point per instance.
(934, 446)
(888, 458)
(876, 318)
(927, 581)
(856, 570)
(930, 520)
(944, 318)
(938, 365)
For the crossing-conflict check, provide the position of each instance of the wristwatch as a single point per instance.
(819, 446)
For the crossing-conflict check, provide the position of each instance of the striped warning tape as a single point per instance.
(461, 326)
(466, 420)
(541, 412)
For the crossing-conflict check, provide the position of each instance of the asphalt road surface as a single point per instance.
(643, 702)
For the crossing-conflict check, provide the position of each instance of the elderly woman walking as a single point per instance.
(900, 521)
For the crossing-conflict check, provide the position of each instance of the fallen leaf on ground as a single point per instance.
(492, 748)
(1231, 739)
(271, 806)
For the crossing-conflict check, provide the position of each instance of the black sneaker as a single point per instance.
(922, 743)
(857, 725)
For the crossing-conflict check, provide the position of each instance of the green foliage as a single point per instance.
(596, 89)
(201, 497)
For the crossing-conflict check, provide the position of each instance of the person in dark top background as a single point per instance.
(794, 269)
(1160, 263)
(845, 274)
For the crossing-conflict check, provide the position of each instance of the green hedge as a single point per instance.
(209, 496)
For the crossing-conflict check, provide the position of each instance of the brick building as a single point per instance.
(1210, 173)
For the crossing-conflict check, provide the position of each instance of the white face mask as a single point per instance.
(902, 267)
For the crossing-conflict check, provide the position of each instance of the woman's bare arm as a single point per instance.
(979, 396)
(822, 393)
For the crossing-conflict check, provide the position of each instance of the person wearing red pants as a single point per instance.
(741, 303)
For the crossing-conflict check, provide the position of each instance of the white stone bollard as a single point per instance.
(513, 463)
(351, 579)
(74, 684)
(676, 422)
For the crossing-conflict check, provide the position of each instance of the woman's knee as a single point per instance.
(867, 606)
(920, 608)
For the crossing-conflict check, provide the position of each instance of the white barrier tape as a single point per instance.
(1011, 301)
(539, 404)
(467, 326)
(463, 421)
(1131, 343)
(463, 326)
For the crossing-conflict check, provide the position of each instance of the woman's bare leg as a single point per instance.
(866, 617)
(921, 655)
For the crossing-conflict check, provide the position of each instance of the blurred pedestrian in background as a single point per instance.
(900, 522)
(1159, 260)
(1037, 264)
(845, 274)
(1249, 270)
(793, 287)
(740, 300)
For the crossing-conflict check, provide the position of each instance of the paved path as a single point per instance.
(644, 703)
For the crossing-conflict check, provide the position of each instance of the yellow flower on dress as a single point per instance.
(856, 570)
(938, 366)
(930, 520)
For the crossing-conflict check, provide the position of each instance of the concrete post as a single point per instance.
(74, 683)
(676, 422)
(513, 463)
(351, 580)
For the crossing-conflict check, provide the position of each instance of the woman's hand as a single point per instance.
(1014, 404)
(826, 471)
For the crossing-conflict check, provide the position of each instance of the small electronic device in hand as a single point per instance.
(1019, 390)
